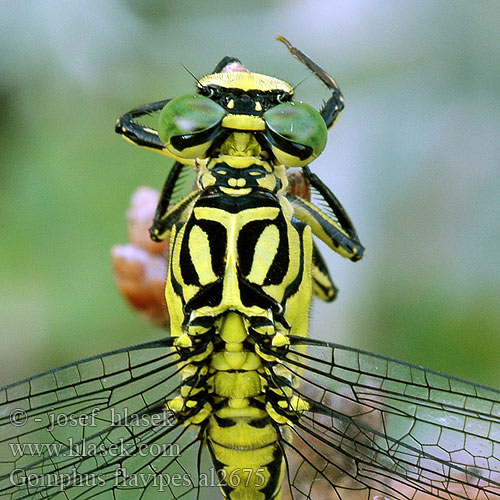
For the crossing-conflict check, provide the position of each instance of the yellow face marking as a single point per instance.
(245, 82)
(240, 162)
(243, 122)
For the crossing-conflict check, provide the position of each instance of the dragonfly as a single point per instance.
(132, 423)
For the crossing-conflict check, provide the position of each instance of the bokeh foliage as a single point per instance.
(414, 159)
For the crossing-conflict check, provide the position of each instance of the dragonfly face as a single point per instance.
(238, 401)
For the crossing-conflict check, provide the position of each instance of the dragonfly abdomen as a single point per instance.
(247, 455)
(241, 436)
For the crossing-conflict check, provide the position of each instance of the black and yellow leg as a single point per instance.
(322, 284)
(164, 219)
(162, 222)
(333, 203)
(139, 134)
(329, 230)
(167, 191)
(332, 108)
(148, 138)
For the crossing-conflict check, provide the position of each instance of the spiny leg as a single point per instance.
(332, 108)
(164, 220)
(177, 179)
(327, 228)
(333, 202)
(139, 134)
(323, 286)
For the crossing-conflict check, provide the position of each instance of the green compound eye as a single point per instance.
(296, 132)
(188, 124)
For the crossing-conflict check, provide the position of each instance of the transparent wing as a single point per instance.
(99, 428)
(378, 426)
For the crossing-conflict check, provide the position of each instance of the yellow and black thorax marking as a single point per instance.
(245, 254)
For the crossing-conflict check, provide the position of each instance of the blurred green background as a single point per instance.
(414, 159)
